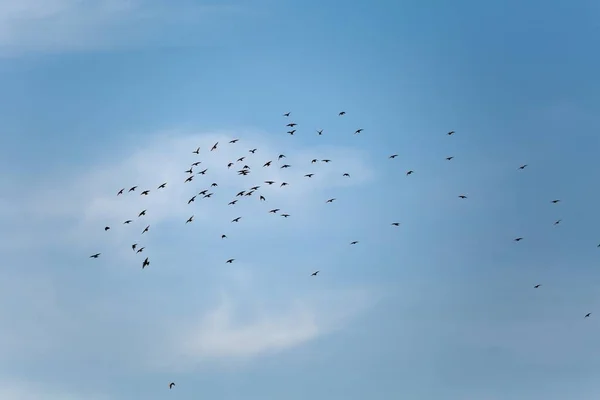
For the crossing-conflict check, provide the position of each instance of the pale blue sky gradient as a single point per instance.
(101, 95)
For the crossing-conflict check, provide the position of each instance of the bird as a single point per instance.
(252, 151)
(285, 166)
(140, 249)
(203, 172)
(358, 131)
(449, 158)
(342, 113)
(292, 132)
(281, 156)
(231, 260)
(195, 164)
(214, 146)
(330, 200)
(555, 201)
(231, 203)
(314, 273)
(518, 239)
(234, 141)
(587, 315)
(314, 161)
(145, 193)
(145, 263)
(309, 175)
(189, 179)
(450, 133)
(537, 286)
(197, 151)
(326, 161)
(164, 185)
(291, 125)
(287, 114)
(410, 172)
(320, 132)
(190, 219)
(189, 171)
(95, 255)
(106, 228)
(285, 215)
(262, 198)
(557, 221)
(192, 199)
(128, 221)
(284, 184)
(347, 175)
(355, 242)
(171, 385)
(230, 165)
(133, 246)
(240, 159)
(394, 156)
(223, 236)
(274, 211)
(523, 166)
(146, 229)
(143, 212)
(236, 219)
(267, 164)
(395, 223)
(132, 189)
(462, 196)
(120, 192)
(269, 182)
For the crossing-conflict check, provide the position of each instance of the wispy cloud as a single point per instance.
(208, 312)
(72, 25)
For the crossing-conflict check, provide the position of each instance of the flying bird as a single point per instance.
(195, 164)
(537, 286)
(358, 131)
(269, 182)
(518, 239)
(203, 172)
(274, 211)
(95, 255)
(292, 132)
(197, 151)
(164, 185)
(189, 179)
(462, 196)
(555, 201)
(171, 385)
(410, 172)
(230, 165)
(287, 114)
(190, 219)
(330, 200)
(189, 171)
(292, 125)
(587, 315)
(223, 236)
(285, 215)
(309, 175)
(214, 146)
(231, 203)
(449, 158)
(120, 192)
(326, 161)
(347, 175)
(231, 260)
(281, 156)
(128, 221)
(262, 198)
(145, 263)
(252, 151)
(236, 219)
(106, 228)
(355, 242)
(234, 141)
(133, 246)
(284, 184)
(285, 166)
(320, 132)
(314, 273)
(140, 249)
(143, 212)
(132, 189)
(314, 161)
(146, 229)
(523, 166)
(395, 223)
(557, 221)
(394, 156)
(342, 113)
(145, 193)
(267, 164)
(450, 133)
(192, 199)
(240, 159)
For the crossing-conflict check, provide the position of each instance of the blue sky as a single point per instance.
(100, 95)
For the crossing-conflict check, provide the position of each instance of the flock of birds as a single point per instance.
(245, 170)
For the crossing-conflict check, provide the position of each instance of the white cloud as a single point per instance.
(252, 313)
(59, 25)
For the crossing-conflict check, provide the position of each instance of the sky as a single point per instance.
(102, 95)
